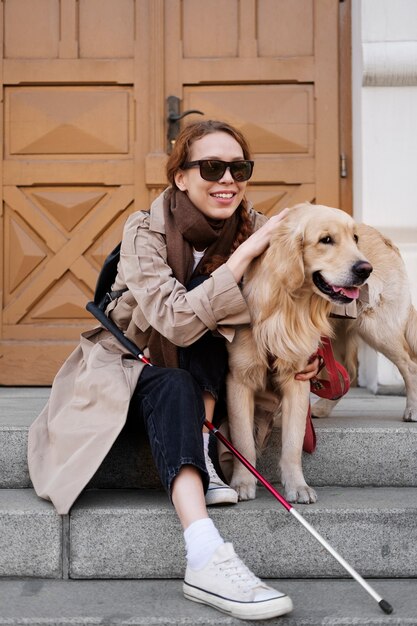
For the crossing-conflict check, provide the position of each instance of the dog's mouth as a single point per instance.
(343, 294)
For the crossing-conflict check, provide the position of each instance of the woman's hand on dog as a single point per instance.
(253, 246)
(310, 371)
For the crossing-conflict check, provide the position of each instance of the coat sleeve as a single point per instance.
(181, 316)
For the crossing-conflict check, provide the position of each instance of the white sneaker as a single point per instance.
(226, 584)
(218, 492)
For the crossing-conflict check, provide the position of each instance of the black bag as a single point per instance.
(103, 293)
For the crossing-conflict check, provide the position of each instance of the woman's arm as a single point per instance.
(163, 302)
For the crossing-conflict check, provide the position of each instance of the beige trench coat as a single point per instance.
(90, 395)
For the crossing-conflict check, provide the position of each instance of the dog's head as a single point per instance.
(316, 247)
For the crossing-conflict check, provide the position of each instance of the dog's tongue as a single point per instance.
(349, 292)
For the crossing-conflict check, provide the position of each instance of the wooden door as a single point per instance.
(85, 85)
(68, 170)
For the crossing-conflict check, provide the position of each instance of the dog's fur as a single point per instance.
(387, 323)
(313, 261)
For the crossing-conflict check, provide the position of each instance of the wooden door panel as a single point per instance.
(72, 121)
(49, 254)
(274, 118)
(219, 38)
(106, 29)
(50, 273)
(285, 28)
(27, 34)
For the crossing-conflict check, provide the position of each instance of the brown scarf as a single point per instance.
(187, 227)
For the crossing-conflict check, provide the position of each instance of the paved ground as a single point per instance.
(159, 603)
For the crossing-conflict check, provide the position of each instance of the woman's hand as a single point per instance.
(253, 246)
(310, 371)
(260, 239)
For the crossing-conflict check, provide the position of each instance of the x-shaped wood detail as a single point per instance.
(67, 251)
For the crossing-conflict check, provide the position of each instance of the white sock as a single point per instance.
(201, 541)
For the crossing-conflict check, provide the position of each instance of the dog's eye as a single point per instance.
(327, 239)
(356, 238)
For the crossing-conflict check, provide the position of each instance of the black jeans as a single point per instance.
(170, 404)
(169, 401)
(206, 359)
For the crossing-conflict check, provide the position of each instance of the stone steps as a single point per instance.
(119, 558)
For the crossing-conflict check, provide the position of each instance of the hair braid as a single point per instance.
(245, 227)
(244, 230)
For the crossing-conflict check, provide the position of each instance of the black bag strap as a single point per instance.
(103, 293)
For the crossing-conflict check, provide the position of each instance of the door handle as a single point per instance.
(173, 118)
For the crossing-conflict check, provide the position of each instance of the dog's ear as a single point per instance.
(284, 257)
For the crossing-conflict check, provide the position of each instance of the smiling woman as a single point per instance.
(177, 295)
(213, 185)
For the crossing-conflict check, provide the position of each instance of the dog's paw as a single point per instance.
(246, 490)
(410, 414)
(303, 494)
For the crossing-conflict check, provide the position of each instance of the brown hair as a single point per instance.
(181, 153)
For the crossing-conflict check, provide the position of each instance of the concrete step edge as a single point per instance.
(39, 602)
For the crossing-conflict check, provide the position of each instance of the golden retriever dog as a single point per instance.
(313, 261)
(387, 322)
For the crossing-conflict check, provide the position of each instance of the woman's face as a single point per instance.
(217, 200)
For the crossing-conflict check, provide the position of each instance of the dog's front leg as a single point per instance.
(240, 408)
(295, 400)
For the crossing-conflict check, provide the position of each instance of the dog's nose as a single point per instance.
(362, 269)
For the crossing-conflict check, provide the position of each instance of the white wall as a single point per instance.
(384, 107)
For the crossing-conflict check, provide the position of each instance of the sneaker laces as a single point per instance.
(214, 478)
(239, 573)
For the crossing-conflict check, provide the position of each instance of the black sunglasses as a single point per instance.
(214, 169)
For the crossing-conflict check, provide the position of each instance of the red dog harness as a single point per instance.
(334, 388)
